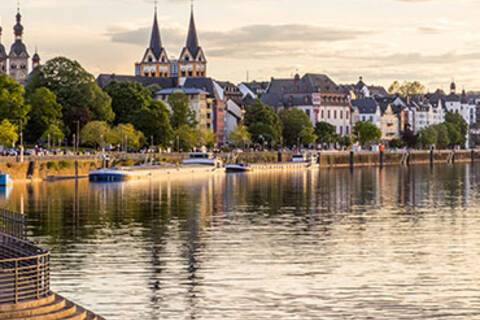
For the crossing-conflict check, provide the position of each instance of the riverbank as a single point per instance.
(54, 168)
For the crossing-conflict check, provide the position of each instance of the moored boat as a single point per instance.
(5, 180)
(202, 159)
(239, 167)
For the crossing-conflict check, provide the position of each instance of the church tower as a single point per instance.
(35, 60)
(192, 62)
(3, 55)
(155, 62)
(18, 57)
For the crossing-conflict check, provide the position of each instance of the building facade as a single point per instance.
(16, 63)
(155, 62)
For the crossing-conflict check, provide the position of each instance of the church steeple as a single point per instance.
(192, 37)
(155, 62)
(155, 39)
(3, 55)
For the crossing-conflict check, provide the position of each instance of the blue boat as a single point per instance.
(5, 180)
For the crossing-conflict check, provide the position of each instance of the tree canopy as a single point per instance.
(263, 123)
(12, 101)
(8, 133)
(76, 91)
(297, 127)
(181, 114)
(326, 133)
(240, 137)
(154, 121)
(46, 114)
(366, 132)
(128, 98)
(96, 133)
(407, 88)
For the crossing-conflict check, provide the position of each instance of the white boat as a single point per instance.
(300, 158)
(118, 174)
(203, 159)
(239, 167)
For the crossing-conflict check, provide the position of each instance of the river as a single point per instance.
(397, 243)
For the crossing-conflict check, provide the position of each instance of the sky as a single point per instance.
(433, 41)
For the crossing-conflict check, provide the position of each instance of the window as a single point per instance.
(341, 131)
(307, 112)
(347, 114)
(347, 130)
(335, 114)
(323, 114)
(341, 114)
(328, 114)
(150, 60)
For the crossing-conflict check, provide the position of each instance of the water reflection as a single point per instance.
(397, 243)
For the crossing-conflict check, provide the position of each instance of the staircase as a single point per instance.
(53, 307)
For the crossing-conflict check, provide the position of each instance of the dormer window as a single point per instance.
(187, 58)
(150, 60)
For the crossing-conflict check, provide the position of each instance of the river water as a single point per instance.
(398, 243)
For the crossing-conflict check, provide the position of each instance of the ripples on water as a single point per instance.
(391, 244)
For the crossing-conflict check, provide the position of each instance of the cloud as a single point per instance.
(254, 41)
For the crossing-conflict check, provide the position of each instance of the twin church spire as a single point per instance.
(155, 62)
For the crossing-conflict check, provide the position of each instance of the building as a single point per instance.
(16, 63)
(390, 123)
(234, 106)
(155, 62)
(197, 100)
(460, 104)
(366, 110)
(315, 94)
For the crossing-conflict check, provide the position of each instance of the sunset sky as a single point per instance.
(433, 41)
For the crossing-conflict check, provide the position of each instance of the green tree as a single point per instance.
(366, 132)
(443, 136)
(46, 113)
(8, 133)
(457, 128)
(181, 112)
(12, 101)
(296, 127)
(154, 121)
(185, 138)
(128, 98)
(205, 137)
(263, 123)
(428, 137)
(76, 90)
(240, 137)
(326, 133)
(126, 135)
(53, 134)
(345, 141)
(95, 133)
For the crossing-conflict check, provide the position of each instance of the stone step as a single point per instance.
(69, 310)
(58, 304)
(28, 304)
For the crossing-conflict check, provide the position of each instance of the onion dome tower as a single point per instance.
(18, 57)
(3, 55)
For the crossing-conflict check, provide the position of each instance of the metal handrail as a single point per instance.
(24, 270)
(12, 223)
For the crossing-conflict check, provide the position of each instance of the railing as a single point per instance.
(24, 267)
(12, 223)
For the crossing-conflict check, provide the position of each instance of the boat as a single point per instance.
(118, 174)
(238, 167)
(203, 159)
(5, 180)
(299, 158)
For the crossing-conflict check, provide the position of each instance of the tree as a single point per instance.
(53, 134)
(296, 127)
(263, 123)
(457, 128)
(128, 98)
(127, 135)
(76, 91)
(185, 138)
(410, 138)
(345, 141)
(326, 133)
(443, 136)
(307, 135)
(8, 133)
(154, 122)
(205, 138)
(181, 112)
(240, 137)
(427, 137)
(46, 113)
(12, 102)
(407, 88)
(366, 132)
(95, 133)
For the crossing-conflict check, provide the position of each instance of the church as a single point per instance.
(155, 62)
(16, 62)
